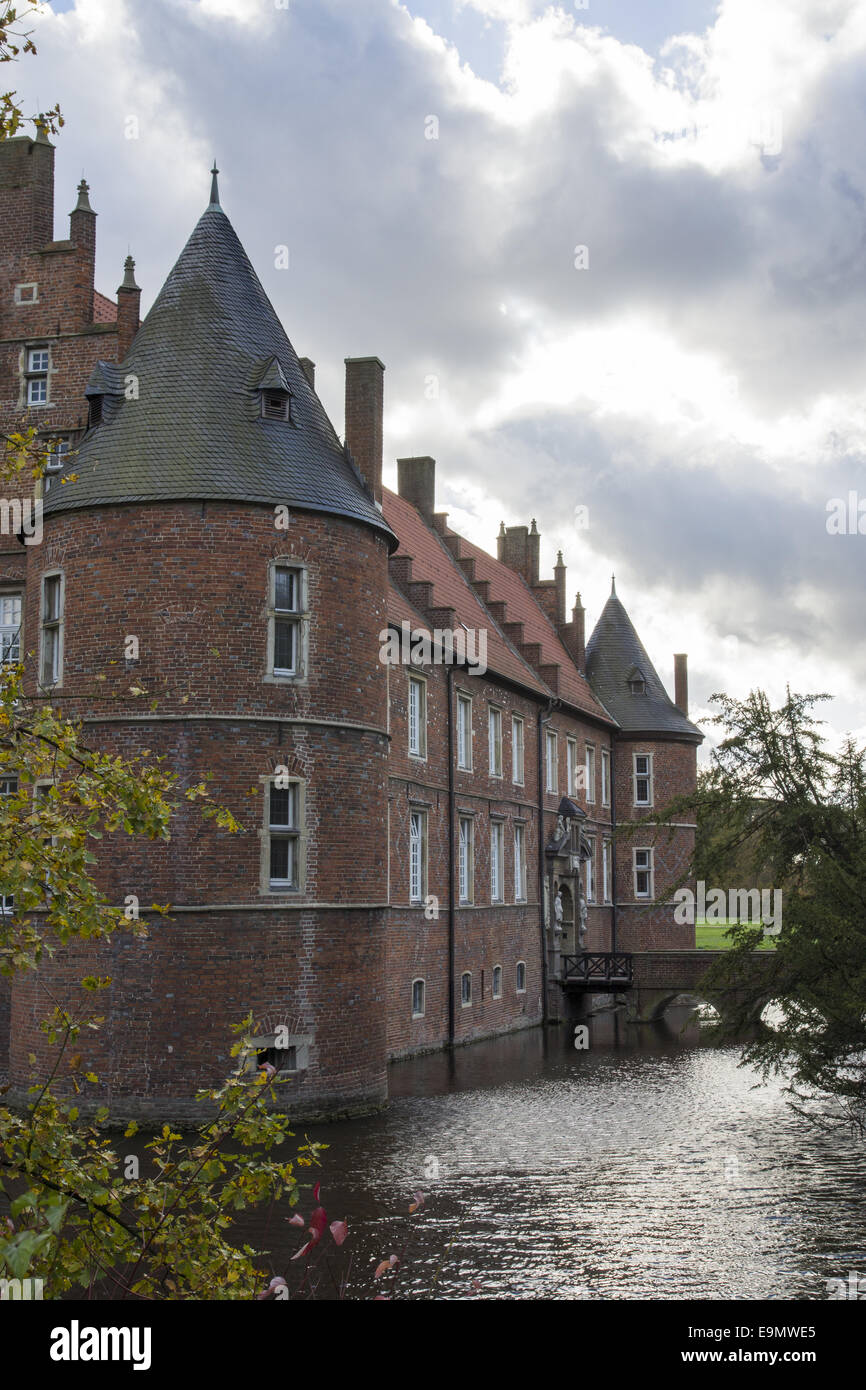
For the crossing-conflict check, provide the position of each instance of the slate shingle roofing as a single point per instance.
(196, 430)
(614, 655)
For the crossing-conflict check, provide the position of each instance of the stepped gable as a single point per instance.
(434, 563)
(615, 656)
(522, 607)
(197, 430)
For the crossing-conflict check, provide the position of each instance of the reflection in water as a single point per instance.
(647, 1166)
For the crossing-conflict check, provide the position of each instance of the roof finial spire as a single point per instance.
(613, 586)
(214, 187)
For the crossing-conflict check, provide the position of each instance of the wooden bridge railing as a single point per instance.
(597, 970)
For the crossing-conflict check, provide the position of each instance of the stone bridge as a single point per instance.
(648, 981)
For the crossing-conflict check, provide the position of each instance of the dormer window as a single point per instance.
(276, 405)
(636, 681)
(94, 411)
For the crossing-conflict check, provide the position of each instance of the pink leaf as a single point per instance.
(385, 1265)
(316, 1192)
(296, 1220)
(339, 1230)
(268, 1069)
(417, 1202)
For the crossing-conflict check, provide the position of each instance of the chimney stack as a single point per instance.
(128, 309)
(517, 547)
(364, 410)
(416, 481)
(27, 186)
(559, 582)
(309, 370)
(681, 682)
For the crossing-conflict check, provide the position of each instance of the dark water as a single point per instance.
(649, 1166)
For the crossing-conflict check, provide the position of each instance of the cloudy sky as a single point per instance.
(612, 255)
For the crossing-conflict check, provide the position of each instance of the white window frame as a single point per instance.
(418, 737)
(494, 740)
(606, 867)
(519, 862)
(11, 632)
(518, 741)
(590, 772)
(466, 860)
(496, 993)
(464, 732)
(605, 776)
(589, 870)
(7, 900)
(643, 776)
(464, 1002)
(551, 761)
(298, 617)
(417, 854)
(647, 867)
(293, 831)
(37, 375)
(55, 625)
(571, 766)
(419, 1013)
(497, 867)
(521, 966)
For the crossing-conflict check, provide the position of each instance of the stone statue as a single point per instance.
(557, 912)
(581, 930)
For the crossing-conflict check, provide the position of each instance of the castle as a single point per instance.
(423, 840)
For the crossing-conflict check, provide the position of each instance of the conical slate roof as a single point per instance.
(198, 364)
(614, 656)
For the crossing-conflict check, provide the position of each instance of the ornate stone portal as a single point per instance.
(565, 854)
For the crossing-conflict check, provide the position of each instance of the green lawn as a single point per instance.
(710, 936)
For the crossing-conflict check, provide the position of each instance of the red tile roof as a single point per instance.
(433, 562)
(522, 607)
(104, 309)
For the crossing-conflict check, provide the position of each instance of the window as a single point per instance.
(276, 405)
(418, 993)
(285, 1059)
(494, 733)
(466, 989)
(571, 765)
(643, 873)
(464, 732)
(521, 977)
(517, 750)
(284, 837)
(51, 664)
(466, 863)
(643, 779)
(37, 376)
(590, 772)
(605, 869)
(520, 863)
(56, 451)
(417, 717)
(589, 870)
(417, 856)
(551, 747)
(10, 628)
(605, 777)
(94, 411)
(497, 982)
(637, 684)
(496, 876)
(8, 789)
(27, 294)
(287, 621)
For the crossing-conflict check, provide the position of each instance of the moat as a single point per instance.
(650, 1166)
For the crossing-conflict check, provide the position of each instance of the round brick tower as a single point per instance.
(217, 549)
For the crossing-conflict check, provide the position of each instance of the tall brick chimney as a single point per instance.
(681, 682)
(573, 635)
(128, 309)
(559, 581)
(27, 192)
(82, 234)
(517, 547)
(416, 481)
(364, 408)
